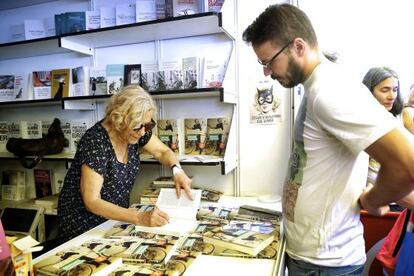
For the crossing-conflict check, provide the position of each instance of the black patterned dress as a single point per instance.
(96, 151)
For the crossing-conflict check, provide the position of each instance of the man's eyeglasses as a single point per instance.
(268, 65)
(148, 126)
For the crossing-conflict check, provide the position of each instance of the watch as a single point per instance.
(176, 168)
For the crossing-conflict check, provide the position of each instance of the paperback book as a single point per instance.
(60, 83)
(78, 260)
(195, 135)
(80, 81)
(217, 135)
(77, 130)
(146, 10)
(13, 184)
(191, 72)
(43, 182)
(14, 129)
(97, 81)
(4, 130)
(171, 74)
(115, 77)
(169, 134)
(31, 129)
(132, 74)
(150, 77)
(42, 84)
(239, 239)
(125, 14)
(7, 88)
(92, 20)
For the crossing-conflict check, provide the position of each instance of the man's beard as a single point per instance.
(294, 75)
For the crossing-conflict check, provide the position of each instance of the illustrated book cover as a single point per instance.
(195, 135)
(171, 74)
(43, 182)
(191, 72)
(60, 83)
(97, 81)
(115, 77)
(42, 84)
(168, 132)
(7, 88)
(217, 135)
(132, 74)
(13, 184)
(80, 261)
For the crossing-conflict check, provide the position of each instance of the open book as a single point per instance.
(182, 212)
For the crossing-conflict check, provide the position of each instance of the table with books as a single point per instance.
(224, 240)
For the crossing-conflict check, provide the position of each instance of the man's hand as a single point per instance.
(366, 205)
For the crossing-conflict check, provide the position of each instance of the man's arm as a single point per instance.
(395, 152)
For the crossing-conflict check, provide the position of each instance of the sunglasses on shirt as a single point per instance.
(148, 126)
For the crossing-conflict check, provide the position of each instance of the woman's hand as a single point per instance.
(152, 218)
(182, 181)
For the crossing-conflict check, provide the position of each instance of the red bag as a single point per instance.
(390, 249)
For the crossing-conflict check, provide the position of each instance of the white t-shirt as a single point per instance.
(338, 119)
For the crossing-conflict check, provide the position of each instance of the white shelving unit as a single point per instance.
(87, 43)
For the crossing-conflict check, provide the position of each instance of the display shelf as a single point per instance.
(86, 41)
(30, 103)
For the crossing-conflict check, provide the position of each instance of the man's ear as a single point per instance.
(299, 46)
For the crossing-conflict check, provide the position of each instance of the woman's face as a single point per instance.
(386, 92)
(134, 135)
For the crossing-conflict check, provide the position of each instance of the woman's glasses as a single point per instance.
(148, 126)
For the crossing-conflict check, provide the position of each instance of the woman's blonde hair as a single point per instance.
(127, 108)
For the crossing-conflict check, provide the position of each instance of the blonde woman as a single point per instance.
(98, 184)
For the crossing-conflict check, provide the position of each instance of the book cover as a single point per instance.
(34, 28)
(160, 9)
(149, 195)
(195, 135)
(125, 14)
(79, 261)
(74, 22)
(58, 180)
(4, 137)
(150, 80)
(16, 32)
(214, 5)
(146, 10)
(60, 83)
(13, 184)
(119, 229)
(107, 17)
(80, 81)
(97, 81)
(20, 87)
(191, 72)
(180, 262)
(185, 7)
(7, 88)
(239, 239)
(139, 269)
(50, 28)
(67, 133)
(42, 84)
(77, 130)
(132, 74)
(31, 129)
(115, 77)
(169, 134)
(214, 70)
(14, 129)
(43, 182)
(210, 195)
(217, 135)
(138, 247)
(92, 20)
(171, 73)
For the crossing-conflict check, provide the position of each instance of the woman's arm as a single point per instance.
(90, 188)
(167, 157)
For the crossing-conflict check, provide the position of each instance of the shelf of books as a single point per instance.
(30, 103)
(86, 41)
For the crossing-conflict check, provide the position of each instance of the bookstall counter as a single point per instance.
(205, 264)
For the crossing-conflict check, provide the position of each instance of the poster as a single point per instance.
(266, 104)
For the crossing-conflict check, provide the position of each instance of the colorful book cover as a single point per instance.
(42, 84)
(115, 77)
(43, 182)
(217, 135)
(168, 133)
(195, 135)
(60, 83)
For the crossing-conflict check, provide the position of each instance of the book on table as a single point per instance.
(79, 260)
